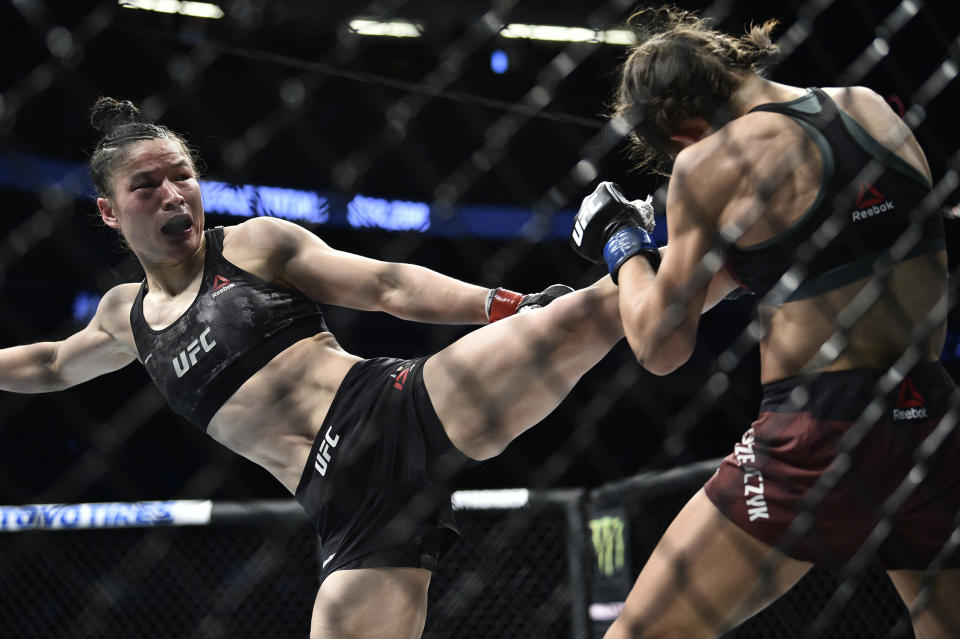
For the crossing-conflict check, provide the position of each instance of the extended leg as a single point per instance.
(705, 576)
(498, 381)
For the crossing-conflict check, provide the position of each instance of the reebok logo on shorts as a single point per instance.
(909, 403)
(870, 202)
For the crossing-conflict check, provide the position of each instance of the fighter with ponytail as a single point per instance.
(813, 201)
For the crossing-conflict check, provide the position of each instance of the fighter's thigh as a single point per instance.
(495, 382)
(933, 601)
(705, 575)
(371, 603)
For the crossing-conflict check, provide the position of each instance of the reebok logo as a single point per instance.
(870, 202)
(909, 396)
(221, 285)
(869, 196)
(909, 403)
(400, 377)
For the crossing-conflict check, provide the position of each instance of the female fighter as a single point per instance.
(227, 324)
(812, 199)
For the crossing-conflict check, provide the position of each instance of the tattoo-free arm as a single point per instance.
(661, 312)
(50, 366)
(327, 275)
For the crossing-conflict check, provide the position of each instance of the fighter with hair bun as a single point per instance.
(814, 201)
(227, 323)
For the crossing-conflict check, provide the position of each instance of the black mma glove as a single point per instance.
(503, 303)
(610, 229)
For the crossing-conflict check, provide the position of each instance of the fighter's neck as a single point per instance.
(170, 279)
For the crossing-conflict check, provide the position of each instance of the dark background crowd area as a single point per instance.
(316, 110)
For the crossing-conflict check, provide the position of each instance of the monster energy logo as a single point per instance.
(608, 543)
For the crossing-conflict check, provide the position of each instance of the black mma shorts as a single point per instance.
(376, 483)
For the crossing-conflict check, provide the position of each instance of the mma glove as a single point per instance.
(610, 229)
(502, 303)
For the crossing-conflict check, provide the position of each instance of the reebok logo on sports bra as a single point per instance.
(221, 285)
(870, 202)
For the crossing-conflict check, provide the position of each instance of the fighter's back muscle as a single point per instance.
(754, 177)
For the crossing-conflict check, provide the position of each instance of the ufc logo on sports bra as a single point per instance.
(188, 356)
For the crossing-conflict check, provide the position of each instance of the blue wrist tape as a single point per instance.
(626, 243)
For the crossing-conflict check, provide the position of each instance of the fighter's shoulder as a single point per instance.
(255, 231)
(266, 245)
(264, 233)
(113, 311)
(850, 98)
(119, 298)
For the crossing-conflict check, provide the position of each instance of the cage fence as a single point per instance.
(547, 563)
(417, 149)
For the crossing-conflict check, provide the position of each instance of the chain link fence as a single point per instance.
(529, 564)
(422, 149)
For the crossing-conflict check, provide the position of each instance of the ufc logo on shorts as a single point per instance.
(188, 356)
(323, 455)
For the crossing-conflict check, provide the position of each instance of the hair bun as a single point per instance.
(108, 114)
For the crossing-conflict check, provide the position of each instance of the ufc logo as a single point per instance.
(188, 357)
(323, 455)
(578, 231)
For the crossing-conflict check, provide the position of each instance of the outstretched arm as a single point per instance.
(50, 366)
(302, 260)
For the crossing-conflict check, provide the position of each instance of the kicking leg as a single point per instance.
(705, 576)
(496, 382)
(371, 603)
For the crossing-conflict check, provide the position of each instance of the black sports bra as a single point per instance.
(867, 200)
(235, 326)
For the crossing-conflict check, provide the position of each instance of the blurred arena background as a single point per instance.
(455, 135)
